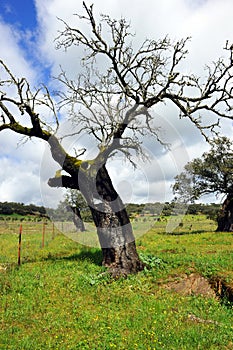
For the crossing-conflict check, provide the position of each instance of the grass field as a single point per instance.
(59, 297)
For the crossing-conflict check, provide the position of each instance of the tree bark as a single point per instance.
(225, 219)
(112, 222)
(109, 215)
(117, 241)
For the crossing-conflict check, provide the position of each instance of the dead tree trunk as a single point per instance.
(225, 219)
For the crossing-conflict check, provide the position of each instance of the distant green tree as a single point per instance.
(75, 202)
(8, 208)
(212, 173)
(60, 213)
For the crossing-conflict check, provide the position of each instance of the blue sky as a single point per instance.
(28, 29)
(21, 14)
(22, 18)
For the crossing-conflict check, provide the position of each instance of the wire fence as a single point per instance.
(23, 238)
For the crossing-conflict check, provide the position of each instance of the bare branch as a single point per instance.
(143, 77)
(114, 105)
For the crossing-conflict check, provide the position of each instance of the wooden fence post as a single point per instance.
(43, 234)
(53, 232)
(20, 242)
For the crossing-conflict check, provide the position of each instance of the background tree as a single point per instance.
(75, 202)
(114, 107)
(212, 173)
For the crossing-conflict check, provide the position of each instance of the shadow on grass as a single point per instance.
(90, 254)
(182, 233)
(94, 255)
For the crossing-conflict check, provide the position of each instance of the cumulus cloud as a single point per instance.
(19, 180)
(12, 53)
(19, 171)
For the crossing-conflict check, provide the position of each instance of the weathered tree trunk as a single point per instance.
(225, 219)
(113, 225)
(110, 217)
(117, 241)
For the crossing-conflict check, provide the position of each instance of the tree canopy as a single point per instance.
(211, 173)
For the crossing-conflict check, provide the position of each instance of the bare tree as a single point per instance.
(114, 107)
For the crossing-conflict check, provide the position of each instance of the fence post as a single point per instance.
(53, 232)
(20, 242)
(43, 234)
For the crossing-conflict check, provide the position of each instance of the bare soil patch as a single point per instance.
(193, 284)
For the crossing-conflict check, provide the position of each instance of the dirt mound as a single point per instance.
(193, 284)
(223, 289)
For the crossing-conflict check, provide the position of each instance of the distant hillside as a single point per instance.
(9, 208)
(166, 209)
(151, 209)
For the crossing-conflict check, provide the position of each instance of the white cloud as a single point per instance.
(19, 166)
(19, 181)
(12, 54)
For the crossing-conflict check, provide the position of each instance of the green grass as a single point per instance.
(59, 297)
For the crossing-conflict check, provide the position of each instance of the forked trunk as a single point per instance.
(225, 219)
(113, 225)
(110, 217)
